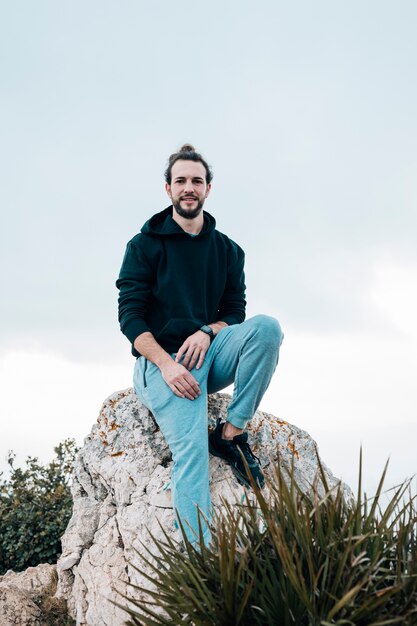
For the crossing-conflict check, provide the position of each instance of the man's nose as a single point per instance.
(189, 185)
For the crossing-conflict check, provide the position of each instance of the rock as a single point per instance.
(121, 488)
(17, 608)
(23, 595)
(36, 581)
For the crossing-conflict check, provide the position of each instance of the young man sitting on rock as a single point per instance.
(182, 307)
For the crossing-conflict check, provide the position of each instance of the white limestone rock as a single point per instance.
(17, 608)
(34, 580)
(20, 593)
(120, 490)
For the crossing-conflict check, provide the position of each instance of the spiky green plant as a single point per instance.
(292, 559)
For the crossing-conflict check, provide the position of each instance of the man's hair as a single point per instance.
(187, 153)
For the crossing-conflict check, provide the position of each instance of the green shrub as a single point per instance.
(294, 559)
(35, 506)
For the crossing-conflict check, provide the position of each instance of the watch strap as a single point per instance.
(209, 331)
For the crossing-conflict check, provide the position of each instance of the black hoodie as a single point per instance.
(171, 283)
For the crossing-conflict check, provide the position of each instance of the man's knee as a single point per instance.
(269, 328)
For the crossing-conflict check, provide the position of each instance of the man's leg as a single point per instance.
(184, 425)
(246, 354)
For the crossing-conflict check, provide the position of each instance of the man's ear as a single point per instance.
(168, 189)
(208, 189)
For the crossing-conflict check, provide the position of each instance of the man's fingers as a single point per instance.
(198, 354)
(180, 391)
(180, 353)
(193, 350)
(191, 381)
(188, 355)
(181, 382)
(192, 360)
(191, 387)
(193, 356)
(184, 391)
(176, 391)
(201, 359)
(184, 355)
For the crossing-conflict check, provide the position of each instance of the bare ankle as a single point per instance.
(229, 431)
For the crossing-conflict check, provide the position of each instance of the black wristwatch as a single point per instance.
(208, 331)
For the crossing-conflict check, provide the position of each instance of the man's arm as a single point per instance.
(177, 377)
(134, 283)
(134, 286)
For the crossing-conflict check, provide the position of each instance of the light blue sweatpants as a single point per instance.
(244, 354)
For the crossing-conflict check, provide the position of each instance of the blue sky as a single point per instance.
(306, 112)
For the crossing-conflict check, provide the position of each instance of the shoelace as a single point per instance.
(247, 452)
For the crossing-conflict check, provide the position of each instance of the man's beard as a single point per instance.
(189, 214)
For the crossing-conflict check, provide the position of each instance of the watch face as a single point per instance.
(208, 330)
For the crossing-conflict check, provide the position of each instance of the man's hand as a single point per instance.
(193, 350)
(179, 380)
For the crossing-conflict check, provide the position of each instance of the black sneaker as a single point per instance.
(230, 451)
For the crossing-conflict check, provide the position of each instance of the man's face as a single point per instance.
(188, 189)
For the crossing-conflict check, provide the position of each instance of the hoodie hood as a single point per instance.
(162, 225)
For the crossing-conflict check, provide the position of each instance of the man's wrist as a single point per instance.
(163, 359)
(216, 327)
(147, 345)
(208, 331)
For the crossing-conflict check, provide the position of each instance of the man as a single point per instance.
(182, 307)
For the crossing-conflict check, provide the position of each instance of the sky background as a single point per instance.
(307, 113)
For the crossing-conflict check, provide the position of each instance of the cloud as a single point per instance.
(394, 292)
(308, 118)
(46, 399)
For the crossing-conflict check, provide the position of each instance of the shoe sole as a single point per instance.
(241, 479)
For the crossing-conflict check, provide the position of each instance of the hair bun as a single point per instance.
(187, 147)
